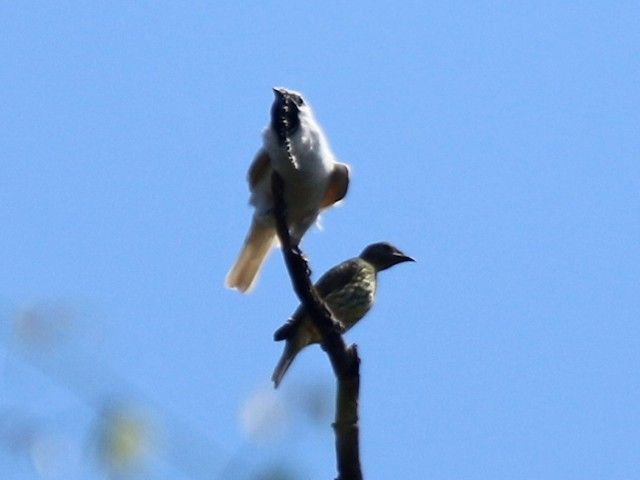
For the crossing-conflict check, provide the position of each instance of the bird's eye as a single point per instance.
(299, 100)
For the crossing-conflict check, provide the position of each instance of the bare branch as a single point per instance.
(344, 360)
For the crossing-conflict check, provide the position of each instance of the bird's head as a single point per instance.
(383, 255)
(287, 108)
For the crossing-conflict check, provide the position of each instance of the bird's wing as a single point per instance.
(334, 279)
(337, 277)
(259, 168)
(337, 186)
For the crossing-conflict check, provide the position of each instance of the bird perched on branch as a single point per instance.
(295, 146)
(348, 289)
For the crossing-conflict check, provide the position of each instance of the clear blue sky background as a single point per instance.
(496, 142)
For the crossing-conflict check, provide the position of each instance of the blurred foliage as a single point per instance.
(278, 472)
(313, 400)
(125, 439)
(43, 326)
(263, 416)
(126, 435)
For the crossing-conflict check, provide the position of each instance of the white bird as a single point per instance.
(295, 146)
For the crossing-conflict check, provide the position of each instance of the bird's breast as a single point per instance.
(350, 303)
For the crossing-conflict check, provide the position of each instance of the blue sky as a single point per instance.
(495, 142)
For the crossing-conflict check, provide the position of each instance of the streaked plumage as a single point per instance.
(295, 146)
(348, 289)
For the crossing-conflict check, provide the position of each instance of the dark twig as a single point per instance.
(344, 360)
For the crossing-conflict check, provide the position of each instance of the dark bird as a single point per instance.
(294, 145)
(348, 289)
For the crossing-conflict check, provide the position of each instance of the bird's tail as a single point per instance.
(290, 352)
(255, 249)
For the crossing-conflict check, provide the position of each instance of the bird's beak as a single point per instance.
(401, 257)
(279, 91)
